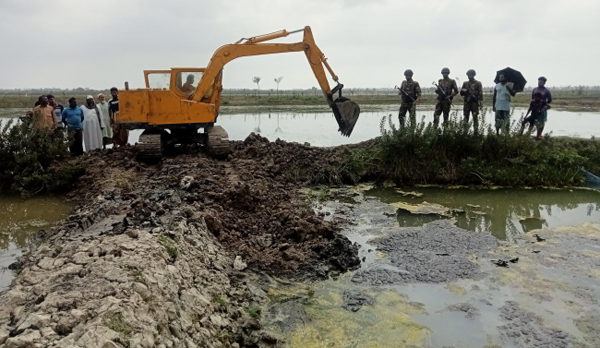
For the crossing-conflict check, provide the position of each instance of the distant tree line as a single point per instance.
(570, 90)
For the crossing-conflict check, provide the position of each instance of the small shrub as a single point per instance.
(253, 311)
(169, 245)
(35, 160)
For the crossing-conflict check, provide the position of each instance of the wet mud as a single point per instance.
(437, 252)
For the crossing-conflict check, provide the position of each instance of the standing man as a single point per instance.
(546, 99)
(43, 115)
(120, 134)
(58, 109)
(92, 125)
(72, 117)
(107, 133)
(410, 94)
(446, 90)
(472, 91)
(501, 103)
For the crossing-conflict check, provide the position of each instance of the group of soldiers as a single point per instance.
(446, 90)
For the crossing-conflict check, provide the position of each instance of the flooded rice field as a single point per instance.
(320, 128)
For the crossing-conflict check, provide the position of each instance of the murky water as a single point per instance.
(20, 220)
(555, 290)
(506, 213)
(320, 128)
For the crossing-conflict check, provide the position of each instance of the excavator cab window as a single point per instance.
(159, 80)
(187, 81)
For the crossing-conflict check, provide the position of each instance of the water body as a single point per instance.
(20, 220)
(506, 213)
(320, 128)
(546, 299)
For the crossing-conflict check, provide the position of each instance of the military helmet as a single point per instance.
(445, 70)
(408, 72)
(471, 72)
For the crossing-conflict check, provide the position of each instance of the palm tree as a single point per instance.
(277, 80)
(256, 79)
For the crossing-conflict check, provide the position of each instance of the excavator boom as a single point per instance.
(345, 111)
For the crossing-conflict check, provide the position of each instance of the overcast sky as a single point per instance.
(369, 43)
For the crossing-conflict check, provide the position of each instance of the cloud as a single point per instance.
(70, 43)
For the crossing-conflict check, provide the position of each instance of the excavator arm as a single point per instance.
(345, 111)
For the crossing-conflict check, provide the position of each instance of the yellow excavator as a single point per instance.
(177, 103)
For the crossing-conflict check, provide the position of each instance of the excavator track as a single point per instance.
(217, 142)
(149, 148)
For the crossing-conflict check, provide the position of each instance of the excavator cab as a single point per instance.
(176, 104)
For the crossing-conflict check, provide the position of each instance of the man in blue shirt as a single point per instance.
(501, 103)
(72, 117)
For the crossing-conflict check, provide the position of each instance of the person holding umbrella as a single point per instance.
(501, 103)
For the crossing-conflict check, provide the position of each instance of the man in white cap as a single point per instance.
(107, 133)
(92, 125)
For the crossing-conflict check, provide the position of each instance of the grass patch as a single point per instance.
(169, 245)
(219, 301)
(135, 273)
(253, 311)
(116, 322)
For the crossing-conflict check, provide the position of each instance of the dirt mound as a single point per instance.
(250, 202)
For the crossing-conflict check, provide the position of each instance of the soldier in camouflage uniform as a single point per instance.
(410, 94)
(448, 90)
(472, 91)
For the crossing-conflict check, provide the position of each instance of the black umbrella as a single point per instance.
(514, 76)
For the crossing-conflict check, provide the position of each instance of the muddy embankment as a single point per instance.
(159, 255)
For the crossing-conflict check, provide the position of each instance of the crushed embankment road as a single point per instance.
(153, 256)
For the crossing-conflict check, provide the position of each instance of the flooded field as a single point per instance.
(320, 128)
(421, 286)
(20, 220)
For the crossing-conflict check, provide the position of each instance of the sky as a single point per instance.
(369, 44)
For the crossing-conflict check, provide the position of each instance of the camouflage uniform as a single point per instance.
(414, 90)
(443, 105)
(473, 101)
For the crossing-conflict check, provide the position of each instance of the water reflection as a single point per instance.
(506, 213)
(20, 219)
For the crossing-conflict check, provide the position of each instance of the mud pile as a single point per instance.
(153, 255)
(249, 202)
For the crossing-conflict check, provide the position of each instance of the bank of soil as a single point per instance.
(157, 255)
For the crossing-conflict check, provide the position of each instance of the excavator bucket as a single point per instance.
(346, 113)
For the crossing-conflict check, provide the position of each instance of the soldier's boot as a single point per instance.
(402, 120)
(436, 120)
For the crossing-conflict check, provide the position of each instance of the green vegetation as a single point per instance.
(35, 160)
(116, 322)
(169, 245)
(421, 154)
(135, 273)
(219, 301)
(253, 311)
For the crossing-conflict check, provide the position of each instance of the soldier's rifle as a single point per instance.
(442, 92)
(405, 94)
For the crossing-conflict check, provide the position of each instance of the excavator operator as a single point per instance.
(188, 86)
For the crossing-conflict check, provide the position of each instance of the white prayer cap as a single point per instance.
(89, 97)
(101, 95)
